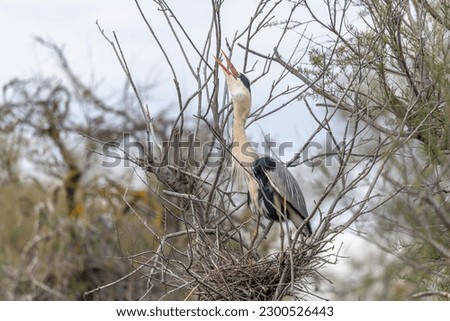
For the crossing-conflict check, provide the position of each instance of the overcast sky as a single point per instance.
(72, 23)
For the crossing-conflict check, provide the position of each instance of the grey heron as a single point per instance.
(273, 192)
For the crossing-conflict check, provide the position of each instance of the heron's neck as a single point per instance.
(243, 153)
(239, 134)
(241, 146)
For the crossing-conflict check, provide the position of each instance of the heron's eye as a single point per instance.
(245, 81)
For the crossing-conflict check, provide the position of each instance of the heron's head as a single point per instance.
(239, 87)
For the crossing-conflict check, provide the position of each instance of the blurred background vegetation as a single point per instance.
(68, 225)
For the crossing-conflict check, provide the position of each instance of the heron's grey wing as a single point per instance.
(287, 186)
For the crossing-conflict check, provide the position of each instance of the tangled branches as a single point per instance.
(210, 247)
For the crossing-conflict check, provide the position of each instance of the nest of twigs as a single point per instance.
(272, 277)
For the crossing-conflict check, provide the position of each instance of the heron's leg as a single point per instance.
(289, 234)
(252, 247)
(282, 236)
(255, 234)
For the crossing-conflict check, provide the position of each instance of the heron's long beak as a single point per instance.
(229, 69)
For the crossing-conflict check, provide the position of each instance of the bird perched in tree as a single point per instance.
(273, 192)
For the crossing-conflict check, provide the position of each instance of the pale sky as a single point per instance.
(72, 23)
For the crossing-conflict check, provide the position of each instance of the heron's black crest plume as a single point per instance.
(245, 81)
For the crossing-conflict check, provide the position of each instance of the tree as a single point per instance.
(213, 254)
(391, 74)
(59, 211)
